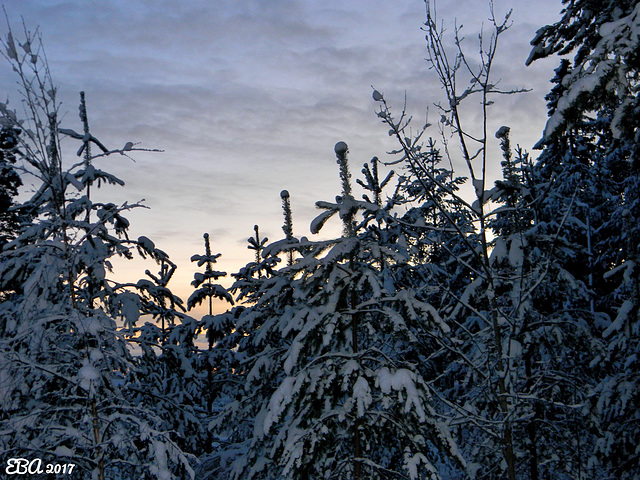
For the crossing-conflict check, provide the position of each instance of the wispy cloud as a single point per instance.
(248, 97)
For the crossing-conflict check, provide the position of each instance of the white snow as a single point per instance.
(399, 380)
(621, 317)
(341, 148)
(87, 375)
(362, 394)
(278, 402)
(516, 252)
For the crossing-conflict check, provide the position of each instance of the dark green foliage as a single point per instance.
(10, 182)
(591, 153)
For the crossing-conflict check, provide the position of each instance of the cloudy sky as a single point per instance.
(248, 97)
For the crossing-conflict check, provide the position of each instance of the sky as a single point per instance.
(247, 98)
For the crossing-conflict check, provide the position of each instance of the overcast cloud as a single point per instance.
(248, 97)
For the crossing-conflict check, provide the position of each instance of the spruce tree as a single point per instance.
(518, 348)
(595, 113)
(248, 358)
(215, 329)
(64, 395)
(10, 182)
(351, 403)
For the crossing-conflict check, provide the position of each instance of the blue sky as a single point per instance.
(248, 97)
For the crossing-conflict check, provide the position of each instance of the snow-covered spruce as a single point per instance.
(63, 397)
(347, 400)
(591, 143)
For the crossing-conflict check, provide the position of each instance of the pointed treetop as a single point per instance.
(256, 243)
(287, 228)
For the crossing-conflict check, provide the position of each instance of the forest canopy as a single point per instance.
(439, 335)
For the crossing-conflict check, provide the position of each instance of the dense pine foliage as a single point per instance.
(490, 335)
